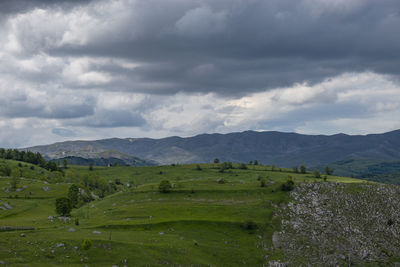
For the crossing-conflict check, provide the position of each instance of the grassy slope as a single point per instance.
(146, 228)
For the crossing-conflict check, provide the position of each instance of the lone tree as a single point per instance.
(65, 164)
(303, 169)
(216, 160)
(328, 170)
(316, 173)
(165, 186)
(73, 193)
(255, 162)
(63, 206)
(91, 166)
(263, 182)
(296, 169)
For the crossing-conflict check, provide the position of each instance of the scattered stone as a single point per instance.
(93, 195)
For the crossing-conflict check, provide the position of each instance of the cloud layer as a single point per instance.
(95, 69)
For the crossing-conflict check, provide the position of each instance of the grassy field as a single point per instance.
(199, 223)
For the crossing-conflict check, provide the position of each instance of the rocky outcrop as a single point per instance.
(331, 224)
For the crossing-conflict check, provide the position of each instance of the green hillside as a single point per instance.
(210, 218)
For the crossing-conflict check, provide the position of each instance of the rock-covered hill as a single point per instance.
(283, 149)
(333, 224)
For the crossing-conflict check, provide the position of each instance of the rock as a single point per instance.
(2, 262)
(161, 233)
(8, 206)
(71, 229)
(22, 235)
(96, 232)
(50, 218)
(59, 245)
(46, 188)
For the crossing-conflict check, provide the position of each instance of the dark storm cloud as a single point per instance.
(111, 118)
(58, 109)
(237, 47)
(19, 6)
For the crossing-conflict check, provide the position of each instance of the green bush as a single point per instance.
(249, 225)
(164, 186)
(288, 185)
(86, 244)
(263, 182)
(243, 166)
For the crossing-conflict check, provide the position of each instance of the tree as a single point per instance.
(316, 173)
(255, 162)
(272, 167)
(296, 169)
(216, 160)
(65, 164)
(303, 169)
(73, 194)
(250, 162)
(14, 183)
(91, 166)
(328, 170)
(198, 167)
(63, 206)
(164, 186)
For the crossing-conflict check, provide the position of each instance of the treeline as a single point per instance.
(29, 157)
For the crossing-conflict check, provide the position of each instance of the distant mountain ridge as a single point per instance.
(283, 149)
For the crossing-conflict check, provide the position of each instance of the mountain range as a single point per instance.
(278, 148)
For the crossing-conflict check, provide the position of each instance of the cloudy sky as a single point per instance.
(155, 68)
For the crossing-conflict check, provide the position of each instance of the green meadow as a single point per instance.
(209, 218)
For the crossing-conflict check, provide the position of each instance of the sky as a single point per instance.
(87, 70)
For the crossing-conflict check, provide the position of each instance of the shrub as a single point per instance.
(288, 185)
(76, 221)
(249, 225)
(165, 186)
(243, 166)
(86, 244)
(263, 183)
(198, 168)
(216, 160)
